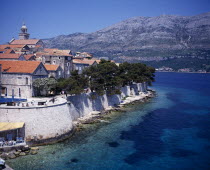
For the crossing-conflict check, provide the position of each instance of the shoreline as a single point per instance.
(92, 118)
(97, 115)
(181, 72)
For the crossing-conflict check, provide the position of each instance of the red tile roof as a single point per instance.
(9, 56)
(29, 56)
(50, 49)
(12, 46)
(78, 61)
(9, 51)
(19, 66)
(29, 41)
(51, 67)
(56, 51)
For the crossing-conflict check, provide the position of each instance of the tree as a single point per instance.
(44, 85)
(74, 84)
(103, 77)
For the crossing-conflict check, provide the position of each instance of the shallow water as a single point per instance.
(171, 131)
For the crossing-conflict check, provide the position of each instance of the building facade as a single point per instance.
(57, 57)
(17, 78)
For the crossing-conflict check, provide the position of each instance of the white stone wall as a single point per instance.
(41, 123)
(83, 105)
(52, 121)
(16, 82)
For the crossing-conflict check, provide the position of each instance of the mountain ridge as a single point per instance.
(143, 38)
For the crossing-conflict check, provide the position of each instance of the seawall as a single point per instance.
(44, 124)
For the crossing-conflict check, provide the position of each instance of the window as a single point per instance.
(59, 58)
(53, 61)
(26, 80)
(59, 73)
(67, 64)
(19, 93)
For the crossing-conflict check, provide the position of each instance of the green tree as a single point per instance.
(104, 77)
(44, 86)
(74, 84)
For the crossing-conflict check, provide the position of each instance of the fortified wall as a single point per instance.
(53, 121)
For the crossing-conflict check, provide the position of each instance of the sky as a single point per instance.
(50, 18)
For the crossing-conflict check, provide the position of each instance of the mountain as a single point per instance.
(144, 38)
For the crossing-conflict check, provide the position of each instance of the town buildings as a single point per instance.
(25, 59)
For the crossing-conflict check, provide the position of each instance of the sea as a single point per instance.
(169, 132)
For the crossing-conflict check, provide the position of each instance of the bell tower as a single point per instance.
(23, 35)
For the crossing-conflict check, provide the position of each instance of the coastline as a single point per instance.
(100, 117)
(181, 72)
(97, 116)
(90, 118)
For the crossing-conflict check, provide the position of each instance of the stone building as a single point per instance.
(63, 58)
(81, 64)
(17, 77)
(24, 35)
(54, 71)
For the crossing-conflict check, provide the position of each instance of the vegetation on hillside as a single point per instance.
(194, 64)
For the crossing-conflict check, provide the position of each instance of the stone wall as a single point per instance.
(84, 104)
(47, 122)
(17, 82)
(40, 122)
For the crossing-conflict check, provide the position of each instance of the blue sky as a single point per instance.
(49, 18)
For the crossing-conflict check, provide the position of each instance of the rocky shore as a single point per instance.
(21, 151)
(97, 117)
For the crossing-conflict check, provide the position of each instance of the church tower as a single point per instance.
(23, 35)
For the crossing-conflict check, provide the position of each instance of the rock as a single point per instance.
(33, 152)
(11, 155)
(17, 153)
(34, 148)
(27, 152)
(22, 154)
(4, 156)
(26, 148)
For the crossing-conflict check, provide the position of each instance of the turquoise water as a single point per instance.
(171, 131)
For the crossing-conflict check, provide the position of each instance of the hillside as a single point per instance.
(144, 39)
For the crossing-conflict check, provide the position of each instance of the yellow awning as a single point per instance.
(4, 126)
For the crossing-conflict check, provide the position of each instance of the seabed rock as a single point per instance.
(11, 155)
(17, 153)
(34, 148)
(4, 156)
(22, 154)
(33, 152)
